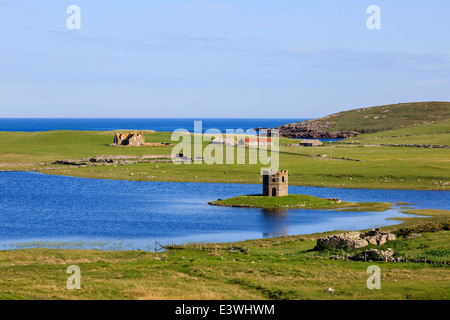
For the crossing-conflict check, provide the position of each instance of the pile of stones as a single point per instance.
(354, 240)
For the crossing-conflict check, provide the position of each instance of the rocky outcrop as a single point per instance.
(413, 236)
(354, 240)
(350, 240)
(314, 129)
(72, 162)
(114, 160)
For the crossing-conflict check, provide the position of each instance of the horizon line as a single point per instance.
(179, 118)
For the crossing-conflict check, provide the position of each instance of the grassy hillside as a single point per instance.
(436, 133)
(440, 127)
(389, 116)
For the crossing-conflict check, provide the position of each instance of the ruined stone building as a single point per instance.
(275, 183)
(134, 139)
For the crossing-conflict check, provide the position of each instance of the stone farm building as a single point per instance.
(134, 139)
(275, 183)
(310, 143)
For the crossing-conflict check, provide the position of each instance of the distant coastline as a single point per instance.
(156, 124)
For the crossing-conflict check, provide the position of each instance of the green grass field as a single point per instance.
(436, 133)
(273, 268)
(418, 129)
(378, 167)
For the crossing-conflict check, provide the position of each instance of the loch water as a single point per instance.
(74, 212)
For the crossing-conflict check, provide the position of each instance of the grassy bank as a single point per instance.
(299, 201)
(273, 268)
(389, 117)
(435, 133)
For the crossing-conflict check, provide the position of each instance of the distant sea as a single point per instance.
(166, 124)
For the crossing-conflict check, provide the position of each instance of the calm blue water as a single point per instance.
(30, 125)
(125, 214)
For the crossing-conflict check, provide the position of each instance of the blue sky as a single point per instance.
(234, 59)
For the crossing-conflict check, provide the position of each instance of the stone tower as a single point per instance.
(275, 183)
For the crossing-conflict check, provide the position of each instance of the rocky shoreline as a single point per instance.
(314, 129)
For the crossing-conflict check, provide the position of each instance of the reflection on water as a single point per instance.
(77, 212)
(276, 223)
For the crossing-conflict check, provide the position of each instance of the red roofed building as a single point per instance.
(256, 142)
